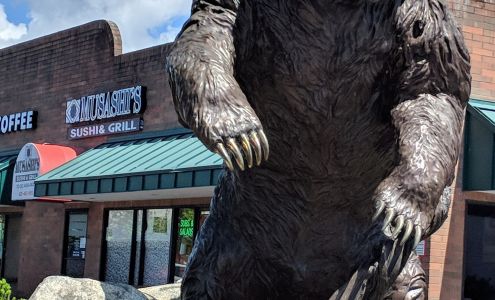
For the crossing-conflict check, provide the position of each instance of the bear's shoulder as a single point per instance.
(432, 50)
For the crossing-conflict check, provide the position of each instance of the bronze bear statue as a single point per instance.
(339, 122)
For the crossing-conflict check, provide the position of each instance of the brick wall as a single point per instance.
(446, 246)
(42, 74)
(41, 245)
(477, 19)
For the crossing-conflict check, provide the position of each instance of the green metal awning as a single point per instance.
(484, 110)
(174, 160)
(479, 142)
(6, 170)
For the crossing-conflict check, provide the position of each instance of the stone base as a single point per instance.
(67, 288)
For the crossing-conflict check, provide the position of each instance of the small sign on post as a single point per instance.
(421, 248)
(26, 170)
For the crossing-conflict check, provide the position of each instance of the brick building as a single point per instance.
(77, 225)
(452, 249)
(155, 206)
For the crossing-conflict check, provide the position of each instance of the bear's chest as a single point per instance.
(323, 46)
(302, 36)
(317, 60)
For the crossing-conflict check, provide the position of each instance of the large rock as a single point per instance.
(67, 288)
(162, 292)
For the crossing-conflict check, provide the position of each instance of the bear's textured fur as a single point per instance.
(354, 109)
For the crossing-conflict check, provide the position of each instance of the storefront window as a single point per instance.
(76, 244)
(13, 240)
(479, 278)
(118, 246)
(157, 240)
(144, 259)
(139, 249)
(185, 226)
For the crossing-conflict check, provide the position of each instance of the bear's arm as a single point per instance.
(433, 86)
(206, 95)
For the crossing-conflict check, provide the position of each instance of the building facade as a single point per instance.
(98, 179)
(459, 259)
(147, 182)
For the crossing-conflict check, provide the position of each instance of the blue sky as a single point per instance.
(17, 11)
(142, 23)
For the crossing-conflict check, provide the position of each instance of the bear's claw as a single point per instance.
(255, 142)
(400, 225)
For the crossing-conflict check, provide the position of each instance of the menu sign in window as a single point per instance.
(186, 227)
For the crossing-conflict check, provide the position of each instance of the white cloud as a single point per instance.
(9, 32)
(136, 19)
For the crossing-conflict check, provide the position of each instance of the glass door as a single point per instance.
(12, 243)
(138, 246)
(75, 237)
(479, 259)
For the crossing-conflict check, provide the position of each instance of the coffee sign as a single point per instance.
(20, 121)
(105, 106)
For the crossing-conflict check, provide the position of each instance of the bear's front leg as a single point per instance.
(431, 80)
(408, 206)
(206, 95)
(429, 130)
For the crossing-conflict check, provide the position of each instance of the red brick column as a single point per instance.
(94, 243)
(41, 246)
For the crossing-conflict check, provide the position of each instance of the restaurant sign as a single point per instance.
(26, 170)
(20, 121)
(33, 161)
(121, 126)
(90, 110)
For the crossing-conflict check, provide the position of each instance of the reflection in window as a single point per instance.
(202, 217)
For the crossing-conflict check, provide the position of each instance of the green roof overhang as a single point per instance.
(6, 173)
(146, 168)
(479, 142)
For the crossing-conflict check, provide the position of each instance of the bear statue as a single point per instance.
(339, 122)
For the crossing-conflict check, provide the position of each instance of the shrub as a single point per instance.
(6, 291)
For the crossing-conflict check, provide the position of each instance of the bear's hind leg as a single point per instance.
(411, 283)
(221, 267)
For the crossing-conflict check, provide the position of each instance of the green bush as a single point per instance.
(6, 291)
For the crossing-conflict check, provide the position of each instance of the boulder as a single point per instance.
(67, 288)
(162, 292)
